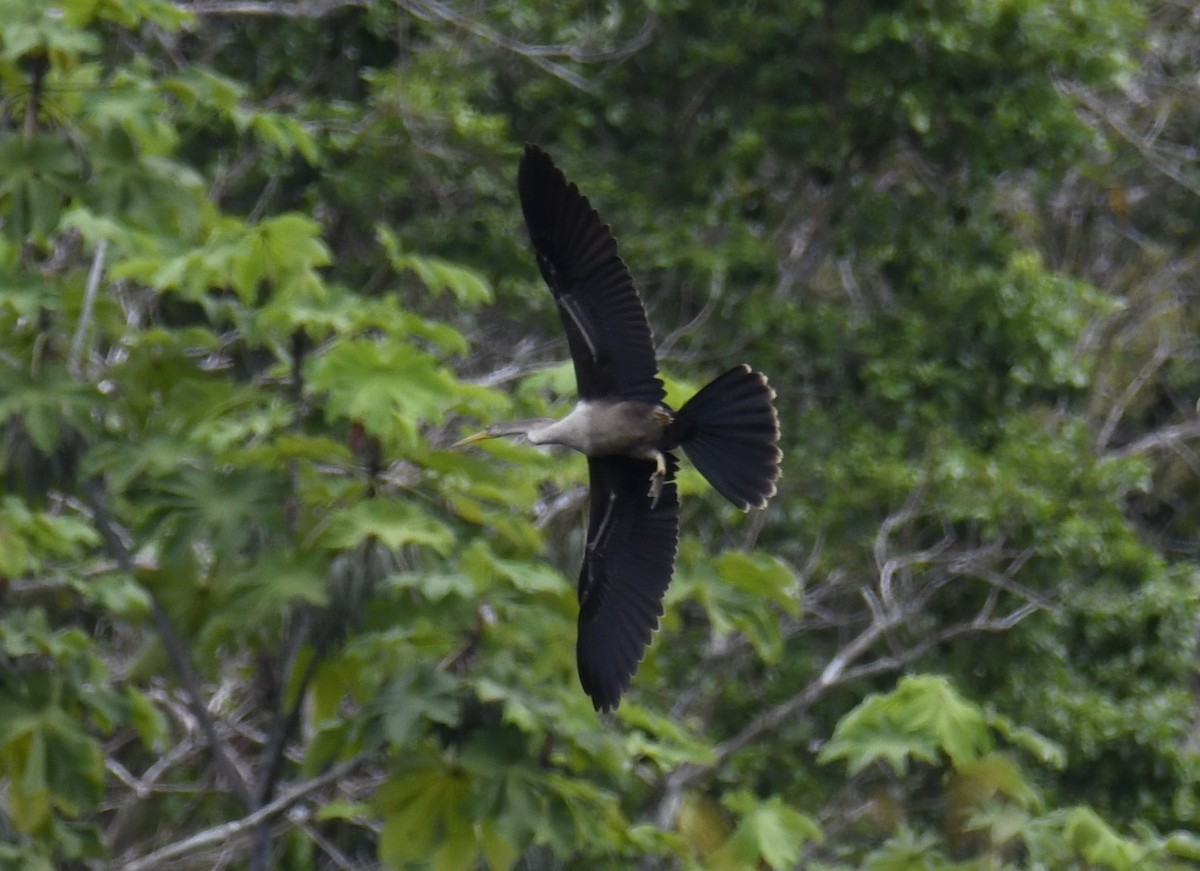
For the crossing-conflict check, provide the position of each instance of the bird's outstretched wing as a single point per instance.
(627, 566)
(607, 330)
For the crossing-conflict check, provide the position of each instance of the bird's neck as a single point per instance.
(527, 428)
(566, 431)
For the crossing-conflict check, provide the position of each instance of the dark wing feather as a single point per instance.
(607, 331)
(627, 566)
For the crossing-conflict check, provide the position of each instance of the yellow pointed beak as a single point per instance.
(471, 439)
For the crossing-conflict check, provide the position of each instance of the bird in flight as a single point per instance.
(728, 430)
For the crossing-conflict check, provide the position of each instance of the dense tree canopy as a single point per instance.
(262, 262)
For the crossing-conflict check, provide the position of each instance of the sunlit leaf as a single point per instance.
(921, 717)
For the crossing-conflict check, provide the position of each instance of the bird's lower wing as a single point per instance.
(627, 566)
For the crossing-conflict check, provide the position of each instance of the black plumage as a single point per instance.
(607, 331)
(729, 430)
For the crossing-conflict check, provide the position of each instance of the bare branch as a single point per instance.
(427, 10)
(526, 359)
(890, 607)
(269, 8)
(715, 291)
(339, 859)
(89, 302)
(565, 502)
(1145, 145)
(1173, 437)
(1161, 354)
(538, 55)
(220, 834)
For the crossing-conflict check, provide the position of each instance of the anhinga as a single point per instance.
(728, 430)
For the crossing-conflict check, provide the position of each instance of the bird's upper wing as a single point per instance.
(607, 330)
(627, 566)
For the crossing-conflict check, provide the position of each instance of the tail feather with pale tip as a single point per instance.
(729, 430)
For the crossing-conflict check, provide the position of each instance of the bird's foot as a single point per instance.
(656, 485)
(656, 480)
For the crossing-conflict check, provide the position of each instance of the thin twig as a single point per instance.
(1144, 146)
(1161, 354)
(716, 290)
(339, 859)
(430, 10)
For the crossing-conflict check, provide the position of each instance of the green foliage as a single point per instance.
(767, 831)
(257, 272)
(921, 718)
(992, 809)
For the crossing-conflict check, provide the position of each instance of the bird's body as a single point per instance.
(597, 428)
(603, 428)
(728, 430)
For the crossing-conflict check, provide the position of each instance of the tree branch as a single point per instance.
(890, 607)
(1168, 437)
(89, 302)
(226, 831)
(1162, 353)
(538, 55)
(176, 650)
(1145, 146)
(270, 8)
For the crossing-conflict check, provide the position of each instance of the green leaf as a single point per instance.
(420, 804)
(1185, 845)
(117, 593)
(1090, 838)
(929, 704)
(40, 176)
(390, 388)
(499, 852)
(865, 736)
(416, 695)
(147, 720)
(1047, 752)
(485, 567)
(458, 849)
(394, 522)
(909, 851)
(274, 583)
(285, 133)
(29, 801)
(438, 275)
(740, 592)
(435, 586)
(343, 809)
(27, 537)
(661, 740)
(920, 717)
(762, 575)
(989, 777)
(198, 86)
(769, 831)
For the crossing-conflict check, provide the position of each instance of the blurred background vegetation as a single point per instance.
(261, 261)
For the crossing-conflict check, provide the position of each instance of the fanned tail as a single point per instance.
(729, 430)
